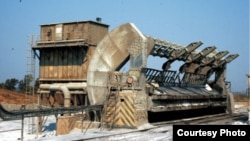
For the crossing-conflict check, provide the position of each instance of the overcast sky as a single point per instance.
(223, 23)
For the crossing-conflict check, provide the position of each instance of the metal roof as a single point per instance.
(74, 22)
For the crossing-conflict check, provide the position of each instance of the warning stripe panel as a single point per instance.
(128, 120)
(125, 112)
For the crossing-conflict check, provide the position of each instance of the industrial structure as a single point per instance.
(79, 65)
(65, 50)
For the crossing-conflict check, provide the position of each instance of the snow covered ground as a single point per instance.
(11, 130)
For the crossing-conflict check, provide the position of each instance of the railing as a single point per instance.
(169, 77)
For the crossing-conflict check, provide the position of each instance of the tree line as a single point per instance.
(22, 85)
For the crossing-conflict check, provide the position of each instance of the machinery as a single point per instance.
(86, 72)
(129, 97)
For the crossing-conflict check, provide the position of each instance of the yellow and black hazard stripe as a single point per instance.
(125, 112)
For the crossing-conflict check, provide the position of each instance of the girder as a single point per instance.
(228, 59)
(199, 55)
(188, 54)
(195, 61)
(181, 54)
(22, 113)
(213, 57)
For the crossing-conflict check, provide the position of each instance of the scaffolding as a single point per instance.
(30, 83)
(248, 94)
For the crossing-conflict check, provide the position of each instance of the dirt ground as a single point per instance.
(12, 97)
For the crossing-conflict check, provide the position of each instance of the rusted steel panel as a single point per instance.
(47, 33)
(60, 63)
(74, 30)
(51, 64)
(95, 33)
(65, 63)
(68, 58)
(74, 63)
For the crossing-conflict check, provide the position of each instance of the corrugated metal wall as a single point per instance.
(67, 62)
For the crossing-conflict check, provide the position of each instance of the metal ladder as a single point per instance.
(110, 105)
(30, 82)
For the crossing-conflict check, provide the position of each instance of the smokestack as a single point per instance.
(99, 20)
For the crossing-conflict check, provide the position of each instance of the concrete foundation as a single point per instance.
(65, 124)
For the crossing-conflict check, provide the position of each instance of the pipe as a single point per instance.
(68, 85)
(66, 94)
(64, 87)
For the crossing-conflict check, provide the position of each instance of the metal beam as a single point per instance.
(200, 55)
(228, 59)
(15, 115)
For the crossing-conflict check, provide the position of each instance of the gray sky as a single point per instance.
(223, 23)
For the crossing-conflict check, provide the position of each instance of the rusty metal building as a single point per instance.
(65, 50)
